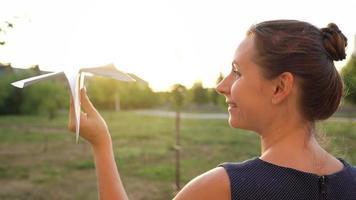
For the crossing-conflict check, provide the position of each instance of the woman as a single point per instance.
(282, 81)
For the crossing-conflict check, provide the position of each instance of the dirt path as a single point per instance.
(164, 113)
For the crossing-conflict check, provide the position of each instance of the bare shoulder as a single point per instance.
(213, 184)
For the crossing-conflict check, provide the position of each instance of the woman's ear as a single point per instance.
(283, 86)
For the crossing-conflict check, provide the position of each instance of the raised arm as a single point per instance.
(213, 184)
(94, 129)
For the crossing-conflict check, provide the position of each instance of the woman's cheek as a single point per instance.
(235, 91)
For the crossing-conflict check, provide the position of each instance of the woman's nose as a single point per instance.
(222, 87)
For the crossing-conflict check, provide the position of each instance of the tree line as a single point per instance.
(50, 96)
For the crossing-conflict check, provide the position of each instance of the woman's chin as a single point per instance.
(237, 124)
(233, 123)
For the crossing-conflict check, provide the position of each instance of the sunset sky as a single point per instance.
(162, 41)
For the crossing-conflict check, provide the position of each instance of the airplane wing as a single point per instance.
(76, 82)
(110, 71)
(25, 82)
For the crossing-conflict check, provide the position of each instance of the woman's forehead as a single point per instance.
(244, 51)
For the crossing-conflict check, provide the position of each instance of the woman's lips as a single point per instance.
(231, 105)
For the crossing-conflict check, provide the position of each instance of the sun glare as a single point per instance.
(162, 42)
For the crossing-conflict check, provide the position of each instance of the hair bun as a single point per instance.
(334, 42)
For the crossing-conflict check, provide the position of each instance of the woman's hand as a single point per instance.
(93, 127)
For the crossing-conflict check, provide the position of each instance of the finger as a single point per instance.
(83, 119)
(71, 117)
(83, 122)
(86, 103)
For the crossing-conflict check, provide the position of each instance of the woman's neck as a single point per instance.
(296, 147)
(286, 139)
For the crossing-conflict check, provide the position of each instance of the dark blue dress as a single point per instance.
(256, 179)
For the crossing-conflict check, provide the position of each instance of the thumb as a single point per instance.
(86, 103)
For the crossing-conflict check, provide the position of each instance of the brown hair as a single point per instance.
(308, 53)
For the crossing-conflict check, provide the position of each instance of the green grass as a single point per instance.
(39, 158)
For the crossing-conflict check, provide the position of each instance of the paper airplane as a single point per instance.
(75, 79)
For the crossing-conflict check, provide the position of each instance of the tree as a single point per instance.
(10, 97)
(106, 92)
(3, 28)
(348, 74)
(44, 98)
(178, 93)
(200, 94)
(213, 94)
(4, 90)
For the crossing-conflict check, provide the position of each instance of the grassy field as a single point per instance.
(40, 160)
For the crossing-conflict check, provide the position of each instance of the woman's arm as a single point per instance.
(109, 181)
(214, 184)
(94, 129)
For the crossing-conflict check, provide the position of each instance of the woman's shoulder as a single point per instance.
(213, 184)
(351, 169)
(243, 169)
(243, 164)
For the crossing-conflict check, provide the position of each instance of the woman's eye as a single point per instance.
(236, 73)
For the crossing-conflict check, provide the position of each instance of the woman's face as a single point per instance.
(247, 92)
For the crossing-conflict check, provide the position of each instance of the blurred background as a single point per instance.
(167, 127)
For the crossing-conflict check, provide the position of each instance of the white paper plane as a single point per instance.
(75, 79)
